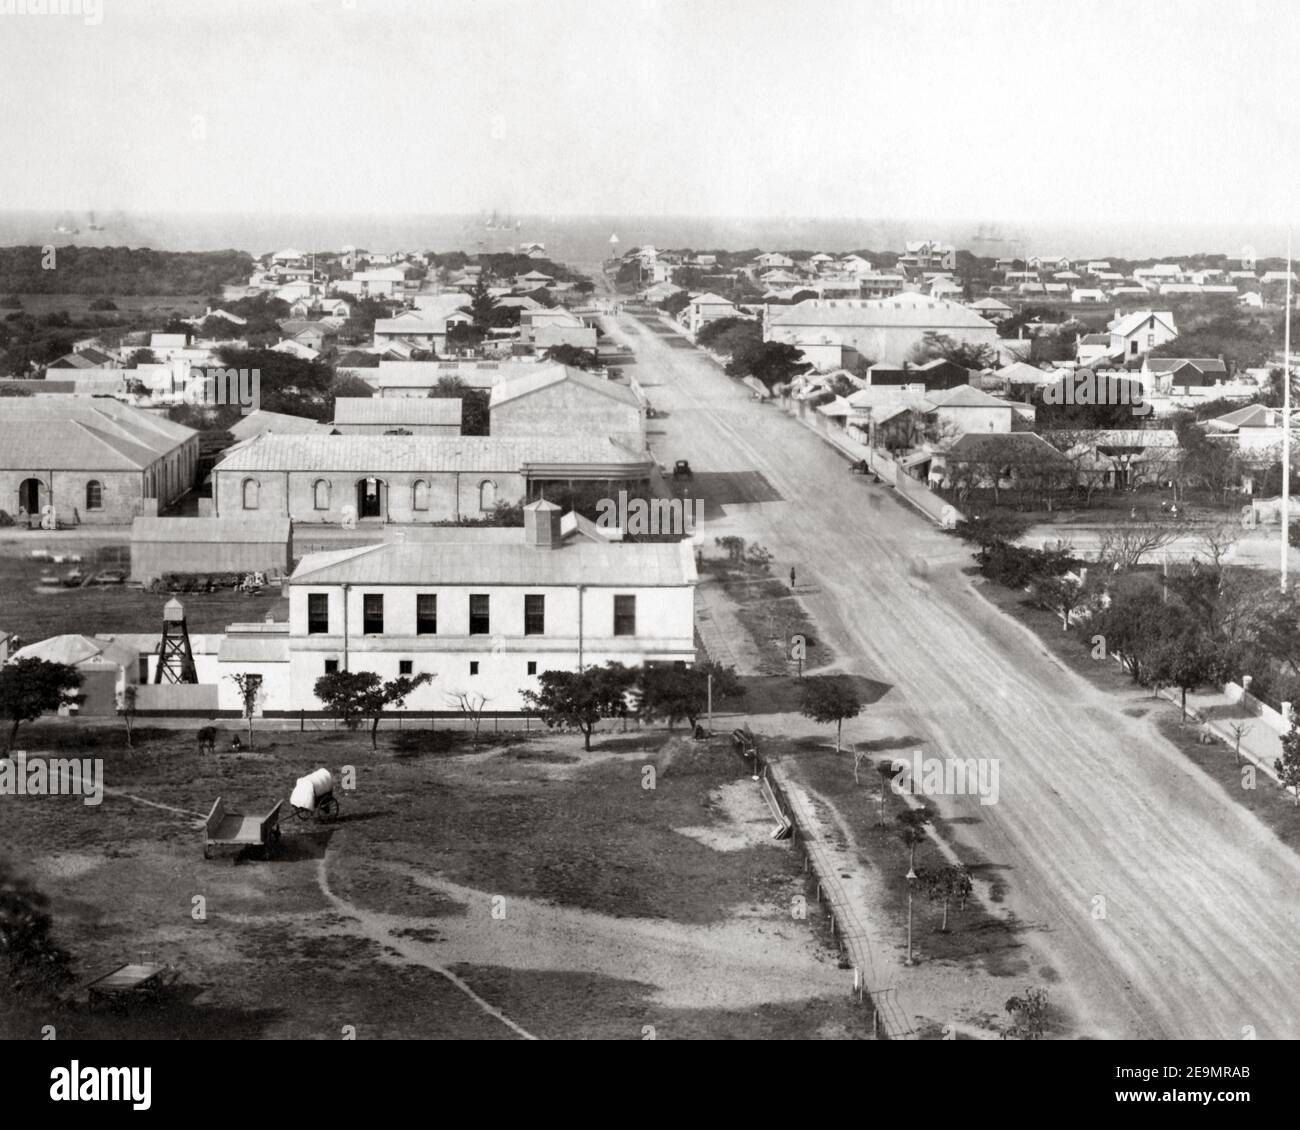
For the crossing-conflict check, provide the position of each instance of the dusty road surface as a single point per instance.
(1166, 910)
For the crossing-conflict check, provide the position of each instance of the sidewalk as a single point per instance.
(1260, 744)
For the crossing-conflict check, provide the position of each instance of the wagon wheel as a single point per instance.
(328, 808)
(302, 813)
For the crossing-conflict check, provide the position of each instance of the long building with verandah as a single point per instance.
(414, 479)
(210, 545)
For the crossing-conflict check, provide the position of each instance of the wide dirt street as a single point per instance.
(1166, 910)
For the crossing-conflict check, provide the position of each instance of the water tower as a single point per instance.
(175, 658)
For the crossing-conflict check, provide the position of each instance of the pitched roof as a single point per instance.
(370, 454)
(99, 433)
(965, 396)
(214, 531)
(397, 410)
(76, 650)
(261, 420)
(1017, 447)
(1173, 364)
(1252, 416)
(551, 375)
(1131, 323)
(443, 552)
(912, 310)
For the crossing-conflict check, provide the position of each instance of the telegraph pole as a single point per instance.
(1286, 420)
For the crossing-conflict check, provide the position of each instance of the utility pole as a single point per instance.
(710, 707)
(1286, 420)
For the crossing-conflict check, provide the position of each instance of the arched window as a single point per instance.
(250, 494)
(419, 495)
(487, 494)
(320, 494)
(94, 495)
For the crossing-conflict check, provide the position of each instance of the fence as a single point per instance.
(888, 1018)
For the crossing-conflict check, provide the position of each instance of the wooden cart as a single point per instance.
(233, 829)
(142, 981)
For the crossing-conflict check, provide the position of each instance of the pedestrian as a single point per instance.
(1206, 737)
(792, 576)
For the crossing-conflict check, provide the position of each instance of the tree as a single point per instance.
(1187, 659)
(674, 694)
(573, 355)
(830, 698)
(34, 962)
(482, 306)
(1239, 731)
(968, 354)
(127, 709)
(911, 830)
(351, 696)
(1126, 545)
(30, 687)
(582, 698)
(250, 690)
(470, 704)
(943, 884)
(1062, 595)
(1028, 1015)
(1288, 765)
(772, 362)
(1218, 542)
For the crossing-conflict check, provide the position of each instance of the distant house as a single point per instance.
(963, 409)
(1181, 374)
(1002, 460)
(418, 328)
(210, 545)
(1254, 428)
(1092, 348)
(533, 280)
(991, 309)
(771, 259)
(705, 308)
(260, 420)
(883, 330)
(297, 349)
(1132, 335)
(933, 376)
(1082, 294)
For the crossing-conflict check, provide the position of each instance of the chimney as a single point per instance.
(542, 525)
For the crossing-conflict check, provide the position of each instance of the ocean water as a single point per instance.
(586, 239)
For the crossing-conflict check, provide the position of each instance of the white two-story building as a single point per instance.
(486, 610)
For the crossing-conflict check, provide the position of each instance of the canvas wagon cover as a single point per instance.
(310, 787)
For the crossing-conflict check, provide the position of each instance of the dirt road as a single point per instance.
(1166, 910)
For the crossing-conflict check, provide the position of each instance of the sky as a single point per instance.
(1038, 111)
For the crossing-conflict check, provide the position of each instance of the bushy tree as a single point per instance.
(673, 694)
(34, 962)
(830, 698)
(31, 687)
(582, 698)
(351, 696)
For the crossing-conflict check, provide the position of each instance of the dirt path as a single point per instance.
(1168, 911)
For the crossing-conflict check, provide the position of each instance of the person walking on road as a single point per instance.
(792, 576)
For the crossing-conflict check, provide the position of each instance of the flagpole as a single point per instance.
(1286, 419)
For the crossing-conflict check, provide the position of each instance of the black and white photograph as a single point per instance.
(648, 520)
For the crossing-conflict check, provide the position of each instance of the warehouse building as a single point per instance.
(210, 545)
(94, 460)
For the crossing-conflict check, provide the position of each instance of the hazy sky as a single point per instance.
(1045, 110)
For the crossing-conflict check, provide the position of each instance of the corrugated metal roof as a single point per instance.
(210, 530)
(901, 310)
(261, 420)
(397, 410)
(516, 386)
(454, 562)
(378, 454)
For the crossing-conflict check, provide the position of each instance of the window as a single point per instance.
(479, 619)
(1151, 341)
(419, 495)
(625, 615)
(426, 614)
(473, 666)
(320, 495)
(1132, 346)
(405, 667)
(250, 494)
(94, 495)
(331, 666)
(534, 614)
(372, 614)
(532, 666)
(318, 613)
(487, 494)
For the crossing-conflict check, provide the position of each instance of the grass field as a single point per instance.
(35, 612)
(520, 887)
